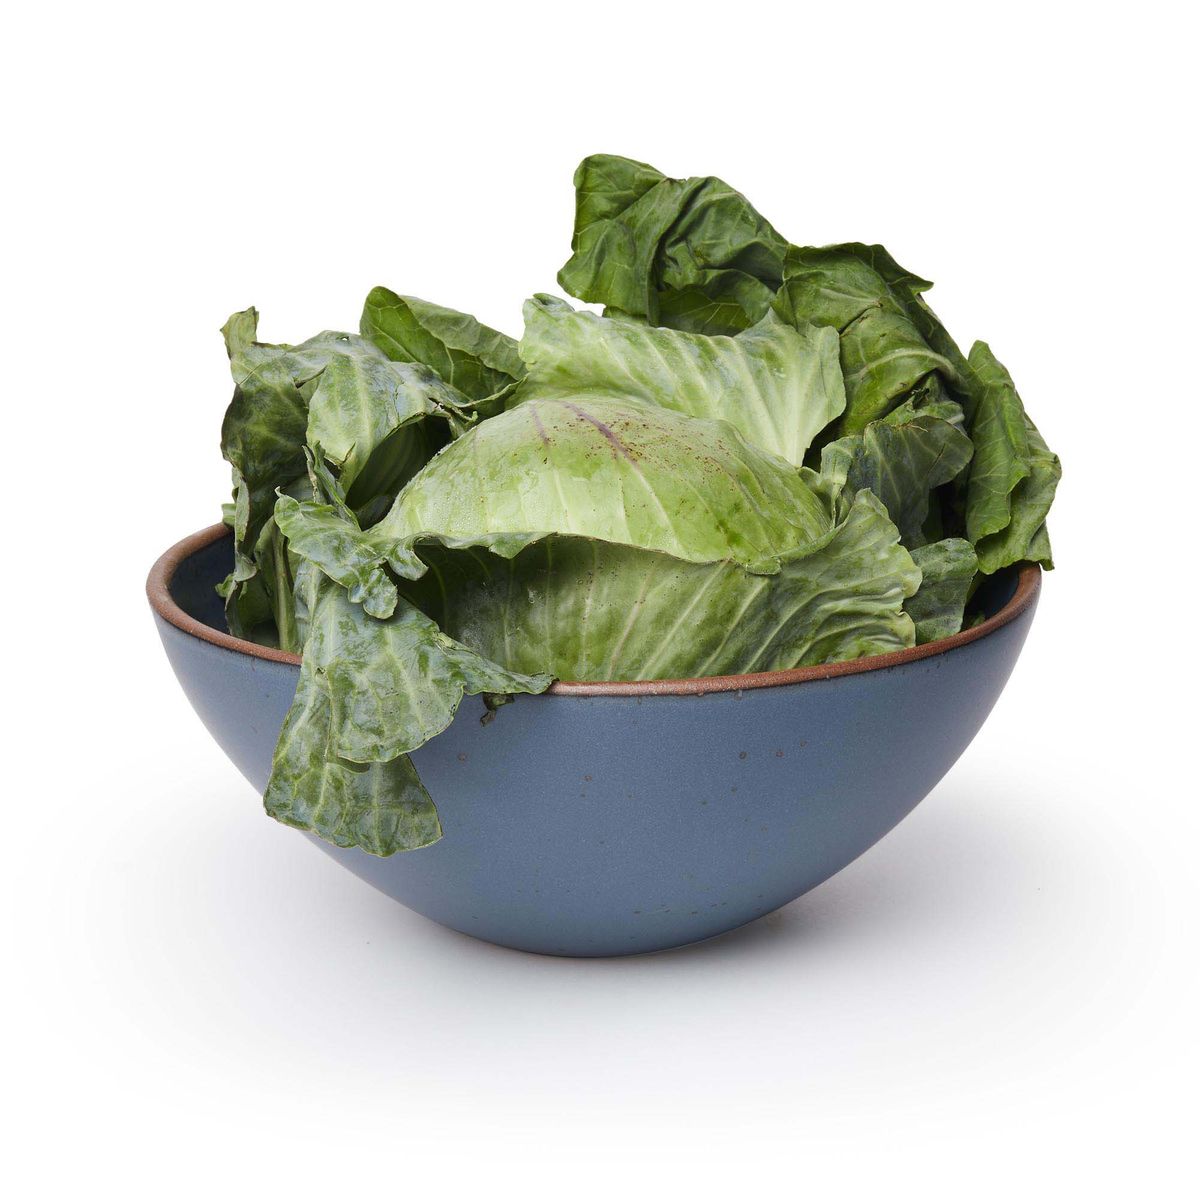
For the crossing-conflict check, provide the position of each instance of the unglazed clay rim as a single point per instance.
(1029, 581)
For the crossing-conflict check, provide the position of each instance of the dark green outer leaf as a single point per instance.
(240, 331)
(694, 311)
(623, 210)
(1001, 439)
(1025, 538)
(908, 289)
(370, 691)
(902, 459)
(258, 592)
(380, 807)
(338, 391)
(323, 534)
(689, 253)
(883, 351)
(470, 357)
(263, 437)
(1013, 476)
(361, 401)
(263, 434)
(947, 570)
(396, 683)
(719, 253)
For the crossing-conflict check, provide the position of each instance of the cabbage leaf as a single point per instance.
(777, 385)
(689, 253)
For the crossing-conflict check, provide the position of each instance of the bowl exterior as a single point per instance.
(606, 825)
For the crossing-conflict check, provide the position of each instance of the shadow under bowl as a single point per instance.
(620, 818)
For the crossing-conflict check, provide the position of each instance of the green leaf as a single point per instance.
(618, 470)
(1025, 538)
(240, 331)
(470, 357)
(947, 571)
(362, 401)
(275, 575)
(371, 691)
(876, 308)
(380, 807)
(582, 609)
(777, 385)
(396, 683)
(902, 459)
(329, 538)
(263, 434)
(337, 390)
(688, 253)
(908, 289)
(258, 592)
(931, 398)
(377, 807)
(324, 530)
(1014, 473)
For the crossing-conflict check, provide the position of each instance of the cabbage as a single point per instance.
(759, 456)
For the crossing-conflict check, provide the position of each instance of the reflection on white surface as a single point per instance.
(259, 956)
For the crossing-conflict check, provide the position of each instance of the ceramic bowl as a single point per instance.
(619, 818)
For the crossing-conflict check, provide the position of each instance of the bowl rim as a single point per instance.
(1029, 580)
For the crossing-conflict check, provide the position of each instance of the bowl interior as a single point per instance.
(193, 586)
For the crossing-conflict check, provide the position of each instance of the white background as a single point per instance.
(999, 999)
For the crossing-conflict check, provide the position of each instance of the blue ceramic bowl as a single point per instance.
(605, 819)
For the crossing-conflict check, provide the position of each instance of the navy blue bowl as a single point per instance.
(618, 818)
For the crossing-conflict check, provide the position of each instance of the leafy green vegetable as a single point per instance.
(902, 459)
(476, 360)
(689, 253)
(776, 385)
(336, 391)
(580, 608)
(760, 456)
(599, 580)
(947, 572)
(622, 471)
(328, 537)
(370, 691)
(263, 435)
(1014, 476)
(380, 807)
(884, 355)
(363, 402)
